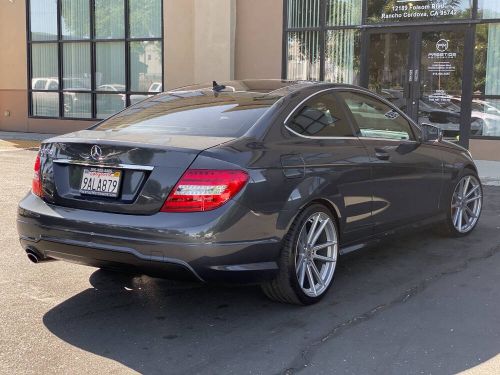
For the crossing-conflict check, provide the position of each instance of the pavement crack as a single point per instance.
(304, 358)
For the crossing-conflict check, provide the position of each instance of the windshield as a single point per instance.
(199, 113)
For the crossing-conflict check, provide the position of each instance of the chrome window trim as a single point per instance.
(389, 139)
(311, 137)
(101, 165)
(362, 91)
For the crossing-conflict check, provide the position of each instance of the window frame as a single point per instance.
(304, 102)
(322, 29)
(92, 40)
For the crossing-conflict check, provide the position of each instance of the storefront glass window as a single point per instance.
(343, 12)
(145, 66)
(145, 18)
(390, 11)
(320, 25)
(45, 104)
(109, 104)
(43, 19)
(342, 53)
(76, 66)
(486, 102)
(303, 13)
(303, 60)
(75, 19)
(110, 66)
(44, 69)
(109, 19)
(92, 81)
(77, 104)
(488, 9)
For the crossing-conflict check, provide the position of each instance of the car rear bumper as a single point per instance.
(232, 245)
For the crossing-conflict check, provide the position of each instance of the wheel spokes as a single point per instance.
(310, 234)
(470, 213)
(465, 186)
(473, 199)
(323, 245)
(302, 274)
(312, 284)
(317, 274)
(324, 259)
(466, 203)
(456, 217)
(318, 232)
(471, 191)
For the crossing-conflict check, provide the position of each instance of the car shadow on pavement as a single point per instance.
(158, 326)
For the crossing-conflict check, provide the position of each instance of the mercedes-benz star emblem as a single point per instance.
(96, 153)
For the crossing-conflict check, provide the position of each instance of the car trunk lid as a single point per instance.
(146, 167)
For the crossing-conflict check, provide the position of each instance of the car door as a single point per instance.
(337, 165)
(407, 175)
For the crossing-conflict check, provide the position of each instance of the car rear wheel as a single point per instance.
(465, 205)
(308, 258)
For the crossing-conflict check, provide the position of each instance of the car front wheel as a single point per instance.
(465, 205)
(308, 258)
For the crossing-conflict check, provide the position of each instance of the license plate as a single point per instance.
(103, 182)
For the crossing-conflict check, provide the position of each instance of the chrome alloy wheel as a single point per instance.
(316, 254)
(466, 204)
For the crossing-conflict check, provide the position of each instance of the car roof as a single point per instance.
(242, 94)
(271, 87)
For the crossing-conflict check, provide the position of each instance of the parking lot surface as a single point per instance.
(419, 304)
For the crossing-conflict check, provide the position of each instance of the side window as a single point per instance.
(321, 116)
(376, 119)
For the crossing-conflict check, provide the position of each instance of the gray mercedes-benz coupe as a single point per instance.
(254, 181)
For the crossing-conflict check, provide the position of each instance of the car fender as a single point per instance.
(308, 191)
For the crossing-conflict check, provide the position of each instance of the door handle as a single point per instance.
(381, 154)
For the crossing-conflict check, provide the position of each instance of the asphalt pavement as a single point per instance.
(418, 304)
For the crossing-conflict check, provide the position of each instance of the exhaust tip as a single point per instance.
(33, 256)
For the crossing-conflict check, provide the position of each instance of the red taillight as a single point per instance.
(204, 190)
(36, 183)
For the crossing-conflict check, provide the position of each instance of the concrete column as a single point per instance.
(178, 54)
(214, 40)
(13, 66)
(259, 32)
(199, 41)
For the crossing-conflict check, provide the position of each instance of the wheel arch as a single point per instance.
(472, 167)
(287, 220)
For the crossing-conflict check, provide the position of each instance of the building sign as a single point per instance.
(440, 97)
(442, 61)
(417, 10)
(441, 65)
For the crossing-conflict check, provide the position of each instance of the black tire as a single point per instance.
(285, 287)
(447, 227)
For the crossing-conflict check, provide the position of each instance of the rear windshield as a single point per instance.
(199, 113)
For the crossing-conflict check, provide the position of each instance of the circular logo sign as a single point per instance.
(442, 45)
(96, 152)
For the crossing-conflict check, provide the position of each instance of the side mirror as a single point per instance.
(431, 133)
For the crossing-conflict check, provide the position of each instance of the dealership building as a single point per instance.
(66, 64)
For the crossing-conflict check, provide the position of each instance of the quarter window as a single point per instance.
(376, 119)
(321, 116)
